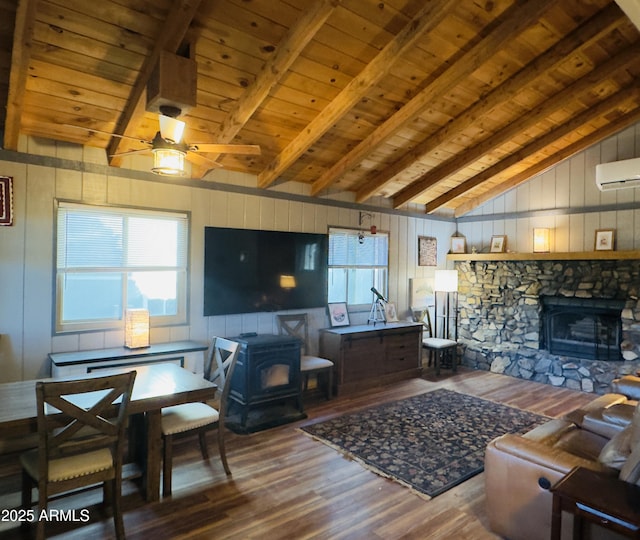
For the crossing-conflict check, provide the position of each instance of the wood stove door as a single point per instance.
(274, 372)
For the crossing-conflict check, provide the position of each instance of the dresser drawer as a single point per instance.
(359, 358)
(401, 351)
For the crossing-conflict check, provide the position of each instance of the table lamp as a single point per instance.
(136, 328)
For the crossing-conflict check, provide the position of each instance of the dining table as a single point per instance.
(156, 386)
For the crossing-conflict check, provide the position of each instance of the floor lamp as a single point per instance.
(446, 281)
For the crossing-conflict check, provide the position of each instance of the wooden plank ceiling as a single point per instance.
(436, 105)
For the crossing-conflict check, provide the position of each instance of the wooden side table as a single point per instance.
(596, 498)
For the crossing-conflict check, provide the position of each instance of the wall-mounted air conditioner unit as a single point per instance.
(618, 174)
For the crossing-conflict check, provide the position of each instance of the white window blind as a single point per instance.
(112, 259)
(357, 262)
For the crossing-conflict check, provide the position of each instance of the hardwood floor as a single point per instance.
(285, 485)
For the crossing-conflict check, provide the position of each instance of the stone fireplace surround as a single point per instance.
(499, 325)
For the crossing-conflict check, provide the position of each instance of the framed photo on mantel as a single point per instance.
(458, 244)
(498, 244)
(604, 240)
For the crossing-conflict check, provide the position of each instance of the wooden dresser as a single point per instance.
(371, 355)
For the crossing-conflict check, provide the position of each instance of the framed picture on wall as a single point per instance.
(458, 244)
(338, 314)
(427, 251)
(604, 240)
(6, 200)
(498, 244)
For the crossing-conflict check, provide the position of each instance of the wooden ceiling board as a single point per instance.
(60, 19)
(382, 14)
(511, 111)
(95, 52)
(156, 9)
(322, 73)
(279, 12)
(229, 38)
(131, 20)
(56, 57)
(333, 58)
(250, 22)
(213, 56)
(361, 31)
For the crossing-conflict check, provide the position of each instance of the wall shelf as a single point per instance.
(560, 256)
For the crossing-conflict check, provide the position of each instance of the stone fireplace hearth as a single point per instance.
(501, 324)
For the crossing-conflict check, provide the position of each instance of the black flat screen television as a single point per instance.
(247, 271)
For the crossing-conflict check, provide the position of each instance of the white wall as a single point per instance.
(27, 248)
(554, 199)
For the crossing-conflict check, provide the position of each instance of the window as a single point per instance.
(357, 262)
(113, 259)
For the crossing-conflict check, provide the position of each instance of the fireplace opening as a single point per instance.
(589, 328)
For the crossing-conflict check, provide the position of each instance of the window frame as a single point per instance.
(182, 272)
(355, 233)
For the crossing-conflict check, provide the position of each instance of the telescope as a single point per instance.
(378, 295)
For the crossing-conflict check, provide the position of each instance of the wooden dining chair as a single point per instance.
(198, 418)
(297, 325)
(81, 428)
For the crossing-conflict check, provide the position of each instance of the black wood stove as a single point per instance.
(266, 388)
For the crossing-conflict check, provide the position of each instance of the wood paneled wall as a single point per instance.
(27, 249)
(564, 198)
(555, 198)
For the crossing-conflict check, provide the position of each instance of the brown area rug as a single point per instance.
(430, 443)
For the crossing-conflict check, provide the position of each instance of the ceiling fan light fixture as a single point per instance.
(168, 162)
(171, 129)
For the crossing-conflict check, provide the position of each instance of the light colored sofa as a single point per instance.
(520, 469)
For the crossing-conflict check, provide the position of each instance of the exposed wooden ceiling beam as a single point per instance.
(582, 37)
(593, 138)
(592, 113)
(21, 52)
(427, 18)
(518, 18)
(286, 53)
(535, 116)
(172, 34)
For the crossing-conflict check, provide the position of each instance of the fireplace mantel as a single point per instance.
(559, 256)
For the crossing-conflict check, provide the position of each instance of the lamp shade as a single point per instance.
(168, 162)
(136, 328)
(171, 129)
(541, 243)
(445, 281)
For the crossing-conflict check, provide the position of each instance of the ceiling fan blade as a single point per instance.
(129, 152)
(203, 161)
(144, 141)
(247, 149)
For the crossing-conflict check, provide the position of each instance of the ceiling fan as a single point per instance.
(169, 150)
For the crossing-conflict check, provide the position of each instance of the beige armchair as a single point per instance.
(520, 469)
